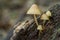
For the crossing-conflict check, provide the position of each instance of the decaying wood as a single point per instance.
(23, 25)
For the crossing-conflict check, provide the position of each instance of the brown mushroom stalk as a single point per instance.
(35, 20)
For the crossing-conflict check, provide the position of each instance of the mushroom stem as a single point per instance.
(35, 20)
(39, 35)
(44, 22)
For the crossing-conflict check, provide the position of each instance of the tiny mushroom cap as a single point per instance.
(34, 10)
(39, 27)
(44, 17)
(48, 13)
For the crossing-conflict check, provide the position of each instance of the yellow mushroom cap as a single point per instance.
(39, 27)
(48, 13)
(34, 10)
(44, 17)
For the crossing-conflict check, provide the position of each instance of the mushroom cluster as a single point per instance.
(34, 10)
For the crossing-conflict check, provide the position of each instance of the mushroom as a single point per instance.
(48, 13)
(44, 17)
(34, 10)
(40, 27)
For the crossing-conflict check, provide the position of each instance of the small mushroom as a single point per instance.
(48, 13)
(40, 27)
(44, 17)
(34, 10)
